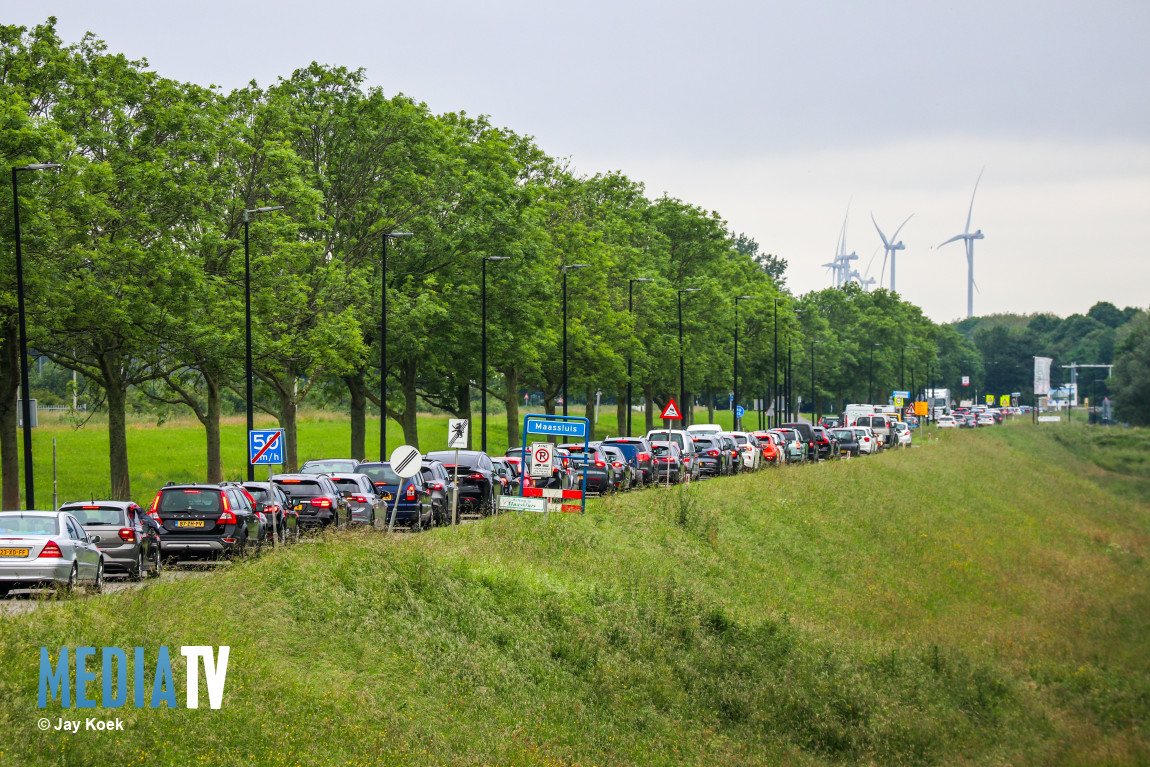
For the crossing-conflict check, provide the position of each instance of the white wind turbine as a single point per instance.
(968, 237)
(841, 265)
(889, 248)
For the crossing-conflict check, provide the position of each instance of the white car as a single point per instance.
(946, 422)
(902, 432)
(47, 548)
(985, 419)
(868, 443)
(749, 450)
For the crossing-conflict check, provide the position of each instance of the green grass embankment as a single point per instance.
(980, 600)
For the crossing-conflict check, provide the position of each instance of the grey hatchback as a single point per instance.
(129, 540)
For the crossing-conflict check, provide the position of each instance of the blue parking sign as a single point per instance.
(739, 411)
(265, 446)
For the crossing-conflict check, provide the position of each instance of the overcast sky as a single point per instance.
(777, 115)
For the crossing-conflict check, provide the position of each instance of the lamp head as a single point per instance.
(40, 166)
(575, 266)
(497, 258)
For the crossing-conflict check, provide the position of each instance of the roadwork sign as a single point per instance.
(671, 412)
(265, 446)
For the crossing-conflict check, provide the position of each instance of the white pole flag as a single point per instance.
(1042, 376)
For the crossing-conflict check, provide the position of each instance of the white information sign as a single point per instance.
(542, 456)
(457, 429)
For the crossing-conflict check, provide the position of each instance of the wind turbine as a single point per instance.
(841, 265)
(889, 249)
(968, 238)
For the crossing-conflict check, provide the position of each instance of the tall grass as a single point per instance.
(980, 600)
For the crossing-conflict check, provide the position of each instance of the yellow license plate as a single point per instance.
(386, 496)
(13, 552)
(190, 523)
(298, 507)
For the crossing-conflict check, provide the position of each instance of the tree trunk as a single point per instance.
(463, 409)
(407, 376)
(116, 393)
(710, 407)
(9, 450)
(358, 391)
(621, 411)
(212, 428)
(511, 379)
(589, 414)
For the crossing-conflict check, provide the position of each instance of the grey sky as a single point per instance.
(774, 114)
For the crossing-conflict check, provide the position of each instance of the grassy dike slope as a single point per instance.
(980, 600)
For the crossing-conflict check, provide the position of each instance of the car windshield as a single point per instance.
(381, 474)
(661, 450)
(97, 515)
(21, 525)
(346, 485)
(257, 492)
(190, 499)
(706, 444)
(328, 467)
(629, 449)
(843, 434)
(466, 460)
(300, 488)
(667, 436)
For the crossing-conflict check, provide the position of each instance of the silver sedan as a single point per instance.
(47, 548)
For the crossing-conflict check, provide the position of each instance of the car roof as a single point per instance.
(34, 513)
(118, 504)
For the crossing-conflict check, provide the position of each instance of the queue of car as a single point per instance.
(83, 541)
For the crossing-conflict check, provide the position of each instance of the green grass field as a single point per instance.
(983, 599)
(175, 451)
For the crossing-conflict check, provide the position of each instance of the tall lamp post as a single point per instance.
(790, 378)
(870, 376)
(25, 394)
(775, 376)
(682, 388)
(734, 413)
(813, 414)
(483, 355)
(565, 268)
(631, 311)
(383, 343)
(248, 327)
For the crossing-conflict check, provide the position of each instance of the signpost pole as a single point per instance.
(455, 493)
(395, 506)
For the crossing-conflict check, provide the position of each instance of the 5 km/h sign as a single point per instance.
(265, 446)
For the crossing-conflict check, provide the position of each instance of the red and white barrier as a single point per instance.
(562, 495)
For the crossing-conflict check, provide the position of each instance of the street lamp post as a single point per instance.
(248, 327)
(26, 399)
(631, 311)
(813, 414)
(870, 377)
(483, 355)
(775, 374)
(682, 388)
(383, 343)
(791, 398)
(735, 401)
(565, 268)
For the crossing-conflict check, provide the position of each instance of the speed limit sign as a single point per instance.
(542, 456)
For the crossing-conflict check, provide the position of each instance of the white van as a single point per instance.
(854, 412)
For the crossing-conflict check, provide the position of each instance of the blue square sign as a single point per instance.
(266, 446)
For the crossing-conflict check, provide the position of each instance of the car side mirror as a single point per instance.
(94, 539)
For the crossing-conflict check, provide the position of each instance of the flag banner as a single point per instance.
(1042, 376)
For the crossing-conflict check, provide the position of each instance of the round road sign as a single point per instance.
(406, 461)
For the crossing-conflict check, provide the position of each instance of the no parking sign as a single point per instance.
(542, 456)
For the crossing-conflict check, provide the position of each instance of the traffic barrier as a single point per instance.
(550, 494)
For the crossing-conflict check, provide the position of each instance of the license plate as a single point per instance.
(190, 523)
(386, 496)
(13, 552)
(298, 507)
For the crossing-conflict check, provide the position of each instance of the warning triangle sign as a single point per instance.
(671, 412)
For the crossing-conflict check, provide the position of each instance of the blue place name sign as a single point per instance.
(559, 428)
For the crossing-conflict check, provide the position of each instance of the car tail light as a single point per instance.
(359, 499)
(89, 507)
(503, 480)
(411, 492)
(713, 453)
(323, 503)
(127, 534)
(51, 551)
(644, 456)
(227, 518)
(437, 486)
(600, 464)
(229, 540)
(154, 510)
(477, 475)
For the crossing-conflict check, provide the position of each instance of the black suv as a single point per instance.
(201, 521)
(314, 497)
(639, 455)
(477, 483)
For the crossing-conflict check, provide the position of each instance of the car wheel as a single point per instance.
(98, 584)
(138, 572)
(157, 562)
(69, 587)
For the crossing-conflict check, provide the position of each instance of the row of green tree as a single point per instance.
(134, 261)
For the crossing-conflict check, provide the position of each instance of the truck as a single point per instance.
(937, 402)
